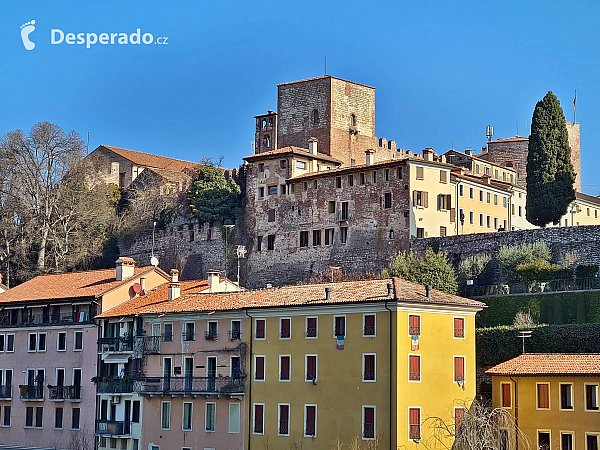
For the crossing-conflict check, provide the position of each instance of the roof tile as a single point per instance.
(549, 364)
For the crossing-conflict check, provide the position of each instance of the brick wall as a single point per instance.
(503, 151)
(573, 130)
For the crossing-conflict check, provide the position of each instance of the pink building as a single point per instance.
(48, 352)
(186, 370)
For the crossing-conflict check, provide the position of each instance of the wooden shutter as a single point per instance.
(414, 367)
(369, 364)
(285, 368)
(311, 367)
(459, 327)
(414, 323)
(543, 396)
(415, 198)
(414, 415)
(285, 328)
(425, 196)
(258, 418)
(506, 400)
(370, 320)
(459, 368)
(260, 368)
(452, 214)
(310, 414)
(369, 416)
(459, 414)
(443, 176)
(420, 173)
(260, 329)
(284, 412)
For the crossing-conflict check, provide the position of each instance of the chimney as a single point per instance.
(125, 268)
(390, 288)
(174, 285)
(369, 157)
(213, 280)
(312, 145)
(428, 291)
(327, 293)
(469, 152)
(428, 154)
(487, 178)
(143, 284)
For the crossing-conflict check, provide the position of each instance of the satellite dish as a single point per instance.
(137, 288)
(154, 261)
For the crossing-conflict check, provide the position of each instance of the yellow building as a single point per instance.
(368, 360)
(553, 398)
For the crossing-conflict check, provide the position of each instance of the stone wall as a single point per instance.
(511, 151)
(573, 130)
(582, 242)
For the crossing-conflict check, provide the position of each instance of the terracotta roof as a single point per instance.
(154, 161)
(292, 150)
(299, 295)
(172, 176)
(587, 198)
(512, 139)
(93, 283)
(322, 77)
(479, 157)
(3, 287)
(549, 364)
(479, 180)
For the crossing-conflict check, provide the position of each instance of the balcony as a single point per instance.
(36, 320)
(33, 392)
(190, 385)
(114, 386)
(5, 391)
(234, 335)
(112, 427)
(284, 427)
(310, 428)
(115, 344)
(311, 332)
(414, 376)
(57, 393)
(211, 336)
(414, 331)
(369, 376)
(459, 332)
(369, 431)
(150, 344)
(369, 331)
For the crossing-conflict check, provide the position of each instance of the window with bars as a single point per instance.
(369, 367)
(311, 327)
(414, 367)
(311, 368)
(414, 325)
(259, 411)
(284, 367)
(459, 368)
(459, 327)
(310, 423)
(284, 420)
(369, 325)
(368, 422)
(414, 417)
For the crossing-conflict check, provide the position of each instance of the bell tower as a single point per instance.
(265, 136)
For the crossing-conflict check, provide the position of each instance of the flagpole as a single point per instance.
(574, 107)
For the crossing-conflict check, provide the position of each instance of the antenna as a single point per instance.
(524, 335)
(517, 125)
(489, 132)
(325, 64)
(88, 143)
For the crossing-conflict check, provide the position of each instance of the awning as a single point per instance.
(115, 359)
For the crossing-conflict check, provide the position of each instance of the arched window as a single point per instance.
(315, 116)
(271, 123)
(264, 124)
(267, 141)
(391, 235)
(352, 120)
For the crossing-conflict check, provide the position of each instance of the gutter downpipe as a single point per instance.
(390, 371)
(516, 413)
(250, 376)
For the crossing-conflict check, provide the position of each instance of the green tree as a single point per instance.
(432, 269)
(213, 198)
(550, 174)
(510, 257)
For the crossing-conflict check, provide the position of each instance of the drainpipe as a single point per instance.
(250, 375)
(390, 371)
(457, 210)
(516, 414)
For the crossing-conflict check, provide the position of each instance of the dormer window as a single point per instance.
(352, 120)
(315, 116)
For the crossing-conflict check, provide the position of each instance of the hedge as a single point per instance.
(556, 308)
(499, 344)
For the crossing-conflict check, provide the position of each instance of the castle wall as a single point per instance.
(574, 143)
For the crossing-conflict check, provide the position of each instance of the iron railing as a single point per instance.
(64, 392)
(5, 391)
(459, 332)
(40, 320)
(369, 331)
(340, 331)
(234, 335)
(310, 428)
(311, 332)
(369, 376)
(150, 344)
(32, 391)
(115, 344)
(176, 385)
(369, 430)
(211, 336)
(415, 432)
(113, 427)
(414, 376)
(283, 427)
(284, 376)
(520, 287)
(414, 331)
(117, 386)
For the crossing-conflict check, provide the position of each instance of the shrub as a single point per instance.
(586, 270)
(432, 269)
(509, 258)
(542, 271)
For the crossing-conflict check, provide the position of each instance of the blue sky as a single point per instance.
(443, 70)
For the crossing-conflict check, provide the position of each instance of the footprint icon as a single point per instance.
(26, 30)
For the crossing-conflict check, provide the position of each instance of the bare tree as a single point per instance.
(482, 427)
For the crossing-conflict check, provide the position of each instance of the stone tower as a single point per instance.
(265, 136)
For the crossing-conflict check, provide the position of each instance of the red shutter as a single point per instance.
(310, 427)
(414, 367)
(311, 367)
(284, 411)
(459, 368)
(258, 418)
(369, 416)
(414, 323)
(370, 321)
(414, 415)
(285, 328)
(459, 414)
(260, 329)
(543, 396)
(506, 401)
(459, 327)
(260, 368)
(369, 367)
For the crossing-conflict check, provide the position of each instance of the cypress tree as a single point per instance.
(550, 174)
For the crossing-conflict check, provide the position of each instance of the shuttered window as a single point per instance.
(284, 420)
(459, 415)
(285, 328)
(259, 372)
(369, 329)
(368, 422)
(414, 416)
(310, 427)
(258, 419)
(284, 363)
(414, 325)
(506, 400)
(459, 327)
(260, 328)
(459, 368)
(420, 175)
(543, 394)
(369, 367)
(311, 367)
(414, 363)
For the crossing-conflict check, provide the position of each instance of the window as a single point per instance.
(362, 178)
(58, 418)
(168, 336)
(271, 242)
(566, 396)
(591, 397)
(261, 167)
(480, 195)
(211, 333)
(488, 197)
(301, 165)
(78, 341)
(461, 190)
(543, 440)
(488, 221)
(414, 367)
(6, 418)
(190, 331)
(480, 219)
(443, 176)
(32, 342)
(187, 417)
(459, 415)
(29, 416)
(369, 325)
(310, 420)
(471, 193)
(420, 174)
(261, 327)
(211, 410)
(543, 395)
(316, 238)
(414, 423)
(399, 173)
(261, 192)
(459, 327)
(315, 116)
(476, 168)
(259, 418)
(343, 235)
(39, 416)
(282, 189)
(504, 225)
(387, 200)
(271, 215)
(75, 414)
(391, 234)
(328, 236)
(339, 326)
(386, 174)
(234, 417)
(369, 367)
(285, 328)
(421, 199)
(331, 207)
(350, 180)
(414, 325)
(310, 368)
(443, 231)
(459, 368)
(259, 243)
(135, 413)
(504, 202)
(61, 341)
(304, 239)
(282, 163)
(259, 368)
(495, 223)
(165, 416)
(506, 399)
(520, 211)
(591, 441)
(338, 182)
(311, 327)
(284, 367)
(566, 441)
(283, 419)
(368, 420)
(374, 177)
(420, 232)
(272, 190)
(352, 120)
